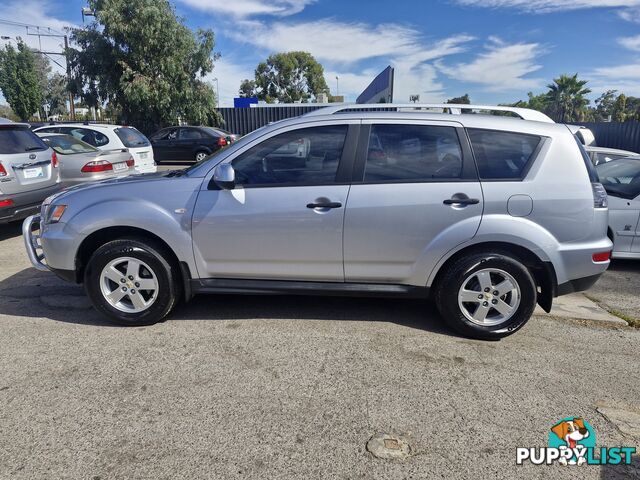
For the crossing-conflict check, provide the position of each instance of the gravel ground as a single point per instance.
(618, 290)
(281, 387)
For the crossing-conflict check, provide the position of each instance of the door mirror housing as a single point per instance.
(224, 176)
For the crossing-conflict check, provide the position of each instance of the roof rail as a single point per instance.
(452, 108)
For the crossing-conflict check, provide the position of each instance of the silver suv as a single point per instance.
(29, 171)
(488, 215)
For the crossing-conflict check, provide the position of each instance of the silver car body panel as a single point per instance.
(404, 237)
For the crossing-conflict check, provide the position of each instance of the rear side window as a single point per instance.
(91, 137)
(131, 138)
(412, 153)
(19, 140)
(190, 134)
(502, 155)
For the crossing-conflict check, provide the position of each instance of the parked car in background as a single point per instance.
(81, 162)
(486, 215)
(584, 134)
(29, 171)
(110, 137)
(603, 155)
(189, 144)
(621, 180)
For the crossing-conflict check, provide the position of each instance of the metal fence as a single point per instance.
(625, 136)
(246, 120)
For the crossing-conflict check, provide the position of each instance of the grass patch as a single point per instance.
(632, 321)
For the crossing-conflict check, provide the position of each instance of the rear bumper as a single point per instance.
(578, 285)
(146, 168)
(25, 204)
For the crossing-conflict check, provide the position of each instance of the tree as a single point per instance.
(619, 108)
(605, 104)
(19, 80)
(141, 58)
(566, 99)
(6, 112)
(56, 95)
(465, 100)
(247, 88)
(288, 77)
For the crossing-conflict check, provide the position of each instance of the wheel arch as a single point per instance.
(98, 238)
(542, 271)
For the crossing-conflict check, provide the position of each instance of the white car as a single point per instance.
(109, 137)
(621, 180)
(603, 155)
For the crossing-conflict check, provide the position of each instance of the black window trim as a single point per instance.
(345, 165)
(527, 168)
(469, 171)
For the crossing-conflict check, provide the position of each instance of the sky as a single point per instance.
(494, 50)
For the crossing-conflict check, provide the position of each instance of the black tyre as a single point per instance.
(486, 295)
(132, 282)
(200, 156)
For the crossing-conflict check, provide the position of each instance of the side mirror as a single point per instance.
(224, 176)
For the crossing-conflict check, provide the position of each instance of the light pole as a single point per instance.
(217, 92)
(337, 86)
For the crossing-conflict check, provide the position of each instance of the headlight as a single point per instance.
(55, 213)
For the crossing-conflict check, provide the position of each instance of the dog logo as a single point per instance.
(574, 433)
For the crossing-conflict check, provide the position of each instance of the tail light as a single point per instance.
(599, 196)
(6, 203)
(130, 162)
(222, 142)
(54, 160)
(97, 166)
(601, 256)
(3, 172)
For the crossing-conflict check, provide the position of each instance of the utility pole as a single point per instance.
(72, 109)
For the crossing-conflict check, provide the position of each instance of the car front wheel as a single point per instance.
(131, 282)
(486, 296)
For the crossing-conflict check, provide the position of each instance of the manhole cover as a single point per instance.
(385, 445)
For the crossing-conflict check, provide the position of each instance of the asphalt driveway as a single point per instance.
(293, 387)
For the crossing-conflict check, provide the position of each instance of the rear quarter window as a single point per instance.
(502, 155)
(131, 138)
(19, 140)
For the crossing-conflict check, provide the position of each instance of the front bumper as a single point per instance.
(32, 242)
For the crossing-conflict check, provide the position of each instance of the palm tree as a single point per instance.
(566, 100)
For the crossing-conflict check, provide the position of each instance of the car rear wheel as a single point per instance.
(131, 282)
(200, 156)
(486, 296)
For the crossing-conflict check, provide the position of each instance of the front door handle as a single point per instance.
(324, 205)
(460, 199)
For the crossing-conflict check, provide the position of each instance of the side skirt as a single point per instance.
(282, 287)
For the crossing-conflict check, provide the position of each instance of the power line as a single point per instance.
(27, 25)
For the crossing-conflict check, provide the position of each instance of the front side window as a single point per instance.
(308, 156)
(412, 153)
(502, 155)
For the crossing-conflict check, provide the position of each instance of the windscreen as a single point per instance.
(67, 145)
(131, 138)
(19, 140)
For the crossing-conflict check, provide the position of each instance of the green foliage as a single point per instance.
(6, 112)
(465, 100)
(141, 58)
(19, 80)
(619, 107)
(566, 99)
(57, 94)
(287, 77)
(605, 104)
(247, 88)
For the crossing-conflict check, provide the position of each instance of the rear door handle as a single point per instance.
(324, 205)
(461, 201)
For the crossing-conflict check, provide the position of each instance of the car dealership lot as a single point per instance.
(282, 387)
